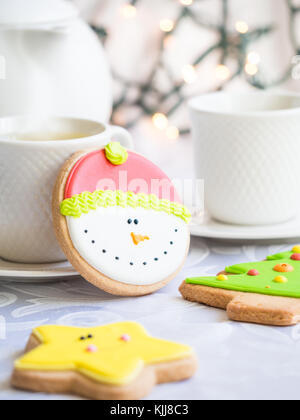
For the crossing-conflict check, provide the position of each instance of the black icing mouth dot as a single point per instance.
(131, 263)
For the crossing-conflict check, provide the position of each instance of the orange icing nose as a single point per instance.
(138, 238)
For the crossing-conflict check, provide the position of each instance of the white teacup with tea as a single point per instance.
(32, 150)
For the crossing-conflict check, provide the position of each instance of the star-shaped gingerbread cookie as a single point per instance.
(115, 361)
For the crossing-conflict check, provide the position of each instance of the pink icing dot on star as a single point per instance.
(253, 273)
(125, 337)
(92, 349)
(295, 257)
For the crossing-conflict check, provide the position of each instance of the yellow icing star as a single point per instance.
(114, 353)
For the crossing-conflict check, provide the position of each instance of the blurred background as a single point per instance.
(162, 52)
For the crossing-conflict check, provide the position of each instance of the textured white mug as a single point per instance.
(247, 151)
(28, 170)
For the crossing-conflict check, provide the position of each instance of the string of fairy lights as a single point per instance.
(234, 45)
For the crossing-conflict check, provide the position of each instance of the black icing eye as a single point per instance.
(165, 252)
(171, 243)
(117, 258)
(93, 242)
(82, 338)
(86, 231)
(104, 251)
(136, 222)
(176, 230)
(90, 336)
(129, 221)
(155, 259)
(131, 263)
(144, 263)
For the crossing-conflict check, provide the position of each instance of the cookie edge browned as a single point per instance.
(81, 266)
(70, 382)
(246, 307)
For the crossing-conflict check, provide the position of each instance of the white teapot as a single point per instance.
(51, 62)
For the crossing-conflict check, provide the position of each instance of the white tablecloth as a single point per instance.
(236, 360)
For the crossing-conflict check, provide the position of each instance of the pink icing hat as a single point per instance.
(115, 168)
(115, 176)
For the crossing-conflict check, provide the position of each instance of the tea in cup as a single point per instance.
(32, 151)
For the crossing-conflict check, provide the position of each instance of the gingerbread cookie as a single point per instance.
(266, 292)
(111, 362)
(120, 221)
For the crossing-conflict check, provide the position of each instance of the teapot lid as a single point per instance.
(20, 13)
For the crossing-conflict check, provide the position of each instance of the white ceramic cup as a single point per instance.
(28, 170)
(247, 151)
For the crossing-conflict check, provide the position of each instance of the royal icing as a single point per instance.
(222, 277)
(283, 268)
(104, 357)
(115, 153)
(137, 175)
(253, 272)
(134, 236)
(267, 282)
(138, 254)
(86, 202)
(280, 279)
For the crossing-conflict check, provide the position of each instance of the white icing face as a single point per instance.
(109, 239)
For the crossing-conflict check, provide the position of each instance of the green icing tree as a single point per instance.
(278, 275)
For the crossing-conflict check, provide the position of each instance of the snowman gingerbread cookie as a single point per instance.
(120, 221)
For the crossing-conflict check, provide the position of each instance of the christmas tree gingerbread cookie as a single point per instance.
(266, 292)
(120, 221)
(113, 362)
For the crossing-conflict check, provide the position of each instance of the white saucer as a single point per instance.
(212, 229)
(31, 273)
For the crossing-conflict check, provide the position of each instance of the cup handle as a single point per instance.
(120, 134)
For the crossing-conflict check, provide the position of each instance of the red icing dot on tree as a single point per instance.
(253, 272)
(295, 257)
